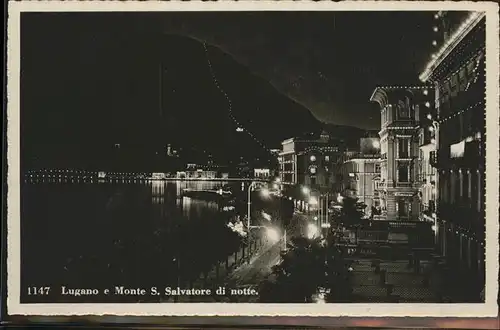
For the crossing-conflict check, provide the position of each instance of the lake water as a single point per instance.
(97, 235)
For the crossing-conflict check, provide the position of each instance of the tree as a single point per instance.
(352, 212)
(338, 277)
(299, 273)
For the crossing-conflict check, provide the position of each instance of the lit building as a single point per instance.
(262, 173)
(197, 174)
(457, 70)
(427, 174)
(308, 162)
(361, 175)
(399, 149)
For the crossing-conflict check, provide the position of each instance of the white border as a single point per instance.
(488, 309)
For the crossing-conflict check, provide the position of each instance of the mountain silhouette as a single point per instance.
(119, 103)
(215, 103)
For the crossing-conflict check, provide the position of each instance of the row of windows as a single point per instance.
(458, 81)
(462, 188)
(455, 92)
(405, 110)
(353, 167)
(462, 126)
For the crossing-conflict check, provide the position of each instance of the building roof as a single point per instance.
(437, 58)
(384, 95)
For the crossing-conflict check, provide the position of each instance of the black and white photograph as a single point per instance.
(312, 157)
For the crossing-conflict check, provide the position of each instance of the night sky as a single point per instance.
(328, 62)
(93, 66)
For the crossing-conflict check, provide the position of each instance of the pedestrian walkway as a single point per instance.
(218, 275)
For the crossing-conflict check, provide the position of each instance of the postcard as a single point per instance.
(252, 158)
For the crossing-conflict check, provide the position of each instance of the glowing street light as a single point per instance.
(265, 192)
(306, 190)
(340, 198)
(312, 231)
(272, 234)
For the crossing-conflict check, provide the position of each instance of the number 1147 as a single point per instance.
(38, 290)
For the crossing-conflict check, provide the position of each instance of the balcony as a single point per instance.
(404, 184)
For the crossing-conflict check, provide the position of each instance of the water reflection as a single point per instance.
(86, 233)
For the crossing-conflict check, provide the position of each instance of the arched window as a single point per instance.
(403, 109)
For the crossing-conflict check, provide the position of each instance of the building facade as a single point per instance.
(361, 177)
(427, 174)
(310, 162)
(457, 71)
(262, 173)
(399, 148)
(360, 173)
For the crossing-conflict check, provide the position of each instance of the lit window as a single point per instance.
(313, 158)
(327, 158)
(313, 170)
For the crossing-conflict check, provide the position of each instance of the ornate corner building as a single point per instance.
(457, 71)
(400, 111)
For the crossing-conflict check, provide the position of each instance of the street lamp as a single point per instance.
(264, 192)
(273, 234)
(306, 190)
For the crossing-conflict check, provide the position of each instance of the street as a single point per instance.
(249, 274)
(260, 266)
